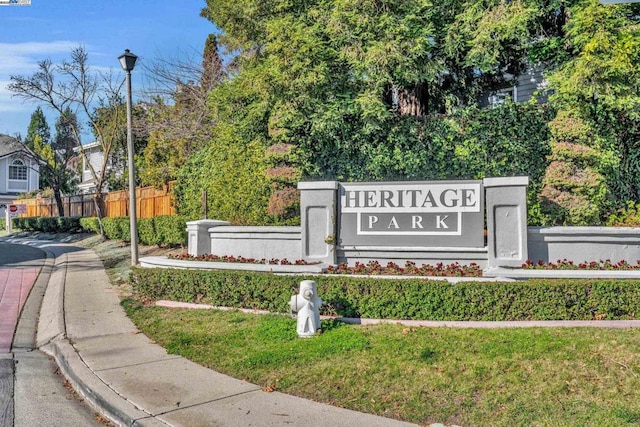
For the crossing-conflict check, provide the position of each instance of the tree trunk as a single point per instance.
(98, 202)
(58, 197)
(408, 101)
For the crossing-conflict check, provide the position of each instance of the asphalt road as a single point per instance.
(32, 392)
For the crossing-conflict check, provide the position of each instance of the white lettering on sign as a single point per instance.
(401, 224)
(412, 208)
(440, 221)
(418, 198)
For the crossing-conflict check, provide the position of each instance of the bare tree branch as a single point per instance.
(73, 84)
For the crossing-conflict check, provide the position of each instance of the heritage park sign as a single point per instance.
(418, 214)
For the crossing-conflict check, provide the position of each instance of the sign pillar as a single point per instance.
(506, 200)
(318, 220)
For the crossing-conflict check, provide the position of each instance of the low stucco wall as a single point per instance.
(257, 242)
(547, 244)
(584, 244)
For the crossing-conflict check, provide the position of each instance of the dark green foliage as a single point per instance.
(48, 224)
(470, 144)
(117, 228)
(147, 232)
(66, 224)
(400, 299)
(26, 223)
(171, 230)
(90, 224)
(164, 230)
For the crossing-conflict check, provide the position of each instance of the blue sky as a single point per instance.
(51, 28)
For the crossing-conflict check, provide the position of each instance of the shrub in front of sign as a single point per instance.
(416, 299)
(171, 230)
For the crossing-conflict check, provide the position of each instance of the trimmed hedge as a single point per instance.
(117, 228)
(161, 230)
(172, 230)
(90, 224)
(48, 224)
(147, 232)
(400, 299)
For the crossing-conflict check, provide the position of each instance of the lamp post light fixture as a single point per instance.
(128, 61)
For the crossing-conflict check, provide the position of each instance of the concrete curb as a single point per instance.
(84, 381)
(525, 273)
(51, 321)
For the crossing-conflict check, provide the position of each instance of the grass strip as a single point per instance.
(514, 377)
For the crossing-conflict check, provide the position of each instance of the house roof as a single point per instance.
(87, 147)
(10, 145)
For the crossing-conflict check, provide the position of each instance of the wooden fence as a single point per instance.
(150, 202)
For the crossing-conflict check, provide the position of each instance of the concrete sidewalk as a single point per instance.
(134, 382)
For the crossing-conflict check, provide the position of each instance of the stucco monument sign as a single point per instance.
(419, 214)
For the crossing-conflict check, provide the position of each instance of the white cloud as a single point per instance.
(9, 103)
(18, 58)
(22, 59)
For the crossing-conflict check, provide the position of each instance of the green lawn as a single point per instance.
(505, 377)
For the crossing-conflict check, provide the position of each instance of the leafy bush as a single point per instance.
(90, 224)
(628, 216)
(66, 224)
(26, 223)
(400, 299)
(335, 144)
(47, 224)
(171, 230)
(162, 230)
(575, 191)
(147, 232)
(117, 228)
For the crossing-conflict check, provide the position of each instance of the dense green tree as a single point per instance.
(342, 86)
(55, 157)
(38, 126)
(600, 82)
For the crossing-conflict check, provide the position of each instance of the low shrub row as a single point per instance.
(161, 230)
(90, 224)
(48, 224)
(400, 299)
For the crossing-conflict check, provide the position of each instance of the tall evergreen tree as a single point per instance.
(55, 158)
(38, 126)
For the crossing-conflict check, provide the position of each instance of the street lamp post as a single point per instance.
(128, 61)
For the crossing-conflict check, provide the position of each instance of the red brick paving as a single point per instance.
(15, 285)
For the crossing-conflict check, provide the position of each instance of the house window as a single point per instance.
(18, 171)
(500, 96)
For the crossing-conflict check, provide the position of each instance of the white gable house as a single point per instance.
(19, 172)
(93, 155)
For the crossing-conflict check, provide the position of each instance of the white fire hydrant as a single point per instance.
(307, 306)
